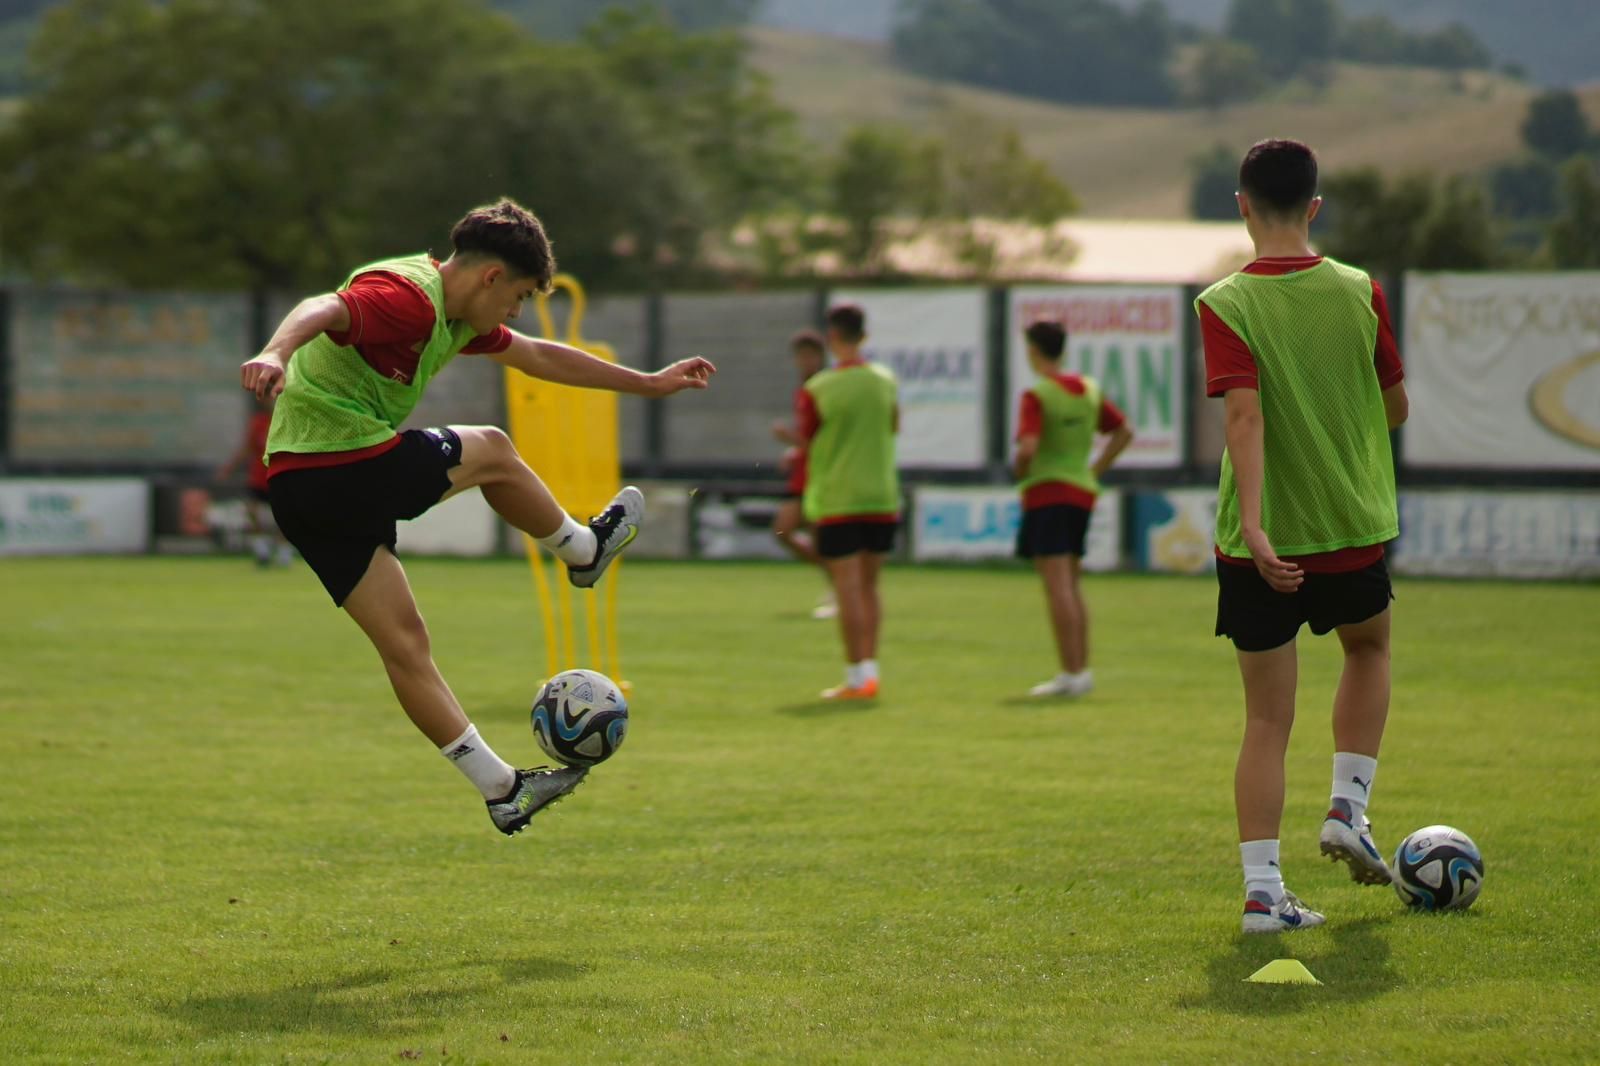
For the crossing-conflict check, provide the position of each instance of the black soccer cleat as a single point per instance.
(535, 790)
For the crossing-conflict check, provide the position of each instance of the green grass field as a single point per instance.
(221, 841)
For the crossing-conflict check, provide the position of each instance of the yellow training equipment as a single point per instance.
(569, 437)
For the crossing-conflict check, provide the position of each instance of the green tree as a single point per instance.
(223, 143)
(567, 19)
(1287, 34)
(1223, 72)
(1457, 231)
(1069, 50)
(990, 173)
(1555, 125)
(1413, 223)
(1526, 188)
(1574, 237)
(1215, 180)
(872, 177)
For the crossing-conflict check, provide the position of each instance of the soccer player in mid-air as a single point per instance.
(1060, 476)
(849, 415)
(347, 368)
(1301, 350)
(789, 522)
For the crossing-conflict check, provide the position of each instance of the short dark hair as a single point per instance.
(1279, 176)
(509, 232)
(848, 321)
(808, 338)
(1047, 336)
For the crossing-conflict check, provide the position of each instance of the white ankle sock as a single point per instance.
(854, 675)
(1352, 782)
(869, 670)
(572, 543)
(1261, 872)
(493, 776)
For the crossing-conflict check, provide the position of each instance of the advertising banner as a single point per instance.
(1499, 534)
(464, 524)
(1130, 340)
(92, 516)
(933, 340)
(970, 525)
(1175, 532)
(126, 377)
(1503, 370)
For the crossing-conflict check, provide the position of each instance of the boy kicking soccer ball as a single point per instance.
(347, 368)
(1301, 350)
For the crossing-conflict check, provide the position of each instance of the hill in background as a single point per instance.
(1553, 40)
(1135, 163)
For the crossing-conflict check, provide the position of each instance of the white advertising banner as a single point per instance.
(970, 525)
(1499, 534)
(1503, 370)
(88, 516)
(1130, 340)
(1174, 532)
(462, 525)
(933, 340)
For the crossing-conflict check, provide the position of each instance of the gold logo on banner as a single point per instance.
(1548, 399)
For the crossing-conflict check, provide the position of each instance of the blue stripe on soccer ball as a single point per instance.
(580, 717)
(1438, 868)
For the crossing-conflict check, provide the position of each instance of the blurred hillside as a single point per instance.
(1135, 163)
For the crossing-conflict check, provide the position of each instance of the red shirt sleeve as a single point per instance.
(806, 418)
(1030, 418)
(1111, 417)
(496, 340)
(1229, 363)
(1386, 354)
(384, 309)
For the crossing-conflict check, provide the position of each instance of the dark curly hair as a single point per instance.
(509, 232)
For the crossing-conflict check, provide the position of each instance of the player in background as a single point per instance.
(1301, 350)
(789, 523)
(264, 534)
(848, 417)
(1056, 428)
(348, 367)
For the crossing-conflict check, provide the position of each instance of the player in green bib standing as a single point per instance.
(848, 416)
(1059, 475)
(347, 368)
(1301, 350)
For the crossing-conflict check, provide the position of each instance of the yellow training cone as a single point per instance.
(1283, 972)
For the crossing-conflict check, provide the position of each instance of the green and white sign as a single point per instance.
(1128, 338)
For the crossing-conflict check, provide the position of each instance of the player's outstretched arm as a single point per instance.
(263, 375)
(566, 365)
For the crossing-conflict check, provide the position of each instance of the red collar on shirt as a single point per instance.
(1274, 264)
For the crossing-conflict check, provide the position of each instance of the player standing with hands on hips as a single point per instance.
(347, 368)
(1302, 352)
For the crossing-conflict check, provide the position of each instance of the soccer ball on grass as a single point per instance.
(1438, 868)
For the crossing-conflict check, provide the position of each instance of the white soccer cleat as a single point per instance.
(1288, 915)
(614, 529)
(1343, 842)
(1064, 685)
(825, 609)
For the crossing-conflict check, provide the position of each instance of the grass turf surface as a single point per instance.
(221, 841)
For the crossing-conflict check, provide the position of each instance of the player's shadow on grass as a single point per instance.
(375, 1001)
(1351, 959)
(823, 708)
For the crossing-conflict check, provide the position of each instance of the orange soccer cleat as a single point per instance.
(867, 690)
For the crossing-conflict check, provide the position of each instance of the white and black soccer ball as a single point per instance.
(580, 717)
(1438, 868)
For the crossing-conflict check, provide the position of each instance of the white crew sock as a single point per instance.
(1352, 782)
(493, 776)
(854, 675)
(869, 670)
(1261, 872)
(572, 543)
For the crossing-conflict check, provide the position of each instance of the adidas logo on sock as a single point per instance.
(460, 752)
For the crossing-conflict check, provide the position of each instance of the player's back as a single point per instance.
(851, 458)
(1329, 470)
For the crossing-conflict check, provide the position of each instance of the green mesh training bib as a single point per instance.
(333, 401)
(1066, 435)
(1328, 478)
(850, 462)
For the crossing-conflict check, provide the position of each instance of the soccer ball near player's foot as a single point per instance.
(1437, 868)
(580, 717)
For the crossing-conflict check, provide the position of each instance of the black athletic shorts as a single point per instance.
(337, 516)
(1257, 618)
(835, 540)
(1055, 529)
